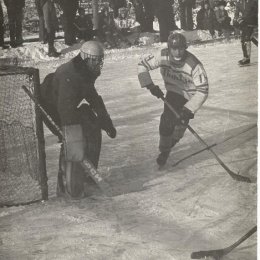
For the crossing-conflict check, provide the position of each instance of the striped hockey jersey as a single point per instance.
(188, 78)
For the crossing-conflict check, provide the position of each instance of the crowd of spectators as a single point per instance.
(117, 19)
(214, 18)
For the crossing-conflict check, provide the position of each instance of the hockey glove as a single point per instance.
(104, 119)
(155, 91)
(106, 124)
(185, 116)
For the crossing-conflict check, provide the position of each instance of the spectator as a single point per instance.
(69, 8)
(223, 20)
(139, 13)
(108, 32)
(105, 31)
(206, 19)
(213, 3)
(126, 24)
(149, 15)
(2, 31)
(164, 13)
(116, 4)
(51, 25)
(42, 30)
(144, 14)
(15, 19)
(84, 26)
(186, 14)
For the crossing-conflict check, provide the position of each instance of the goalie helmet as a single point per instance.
(92, 53)
(177, 41)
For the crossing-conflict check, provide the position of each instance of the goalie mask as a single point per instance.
(177, 45)
(92, 53)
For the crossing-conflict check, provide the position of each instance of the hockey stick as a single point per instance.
(219, 253)
(255, 41)
(212, 145)
(232, 174)
(88, 167)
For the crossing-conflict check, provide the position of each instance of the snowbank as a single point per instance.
(33, 53)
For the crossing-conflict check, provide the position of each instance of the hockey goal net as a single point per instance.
(23, 176)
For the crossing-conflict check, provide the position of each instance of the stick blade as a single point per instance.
(97, 178)
(215, 254)
(238, 177)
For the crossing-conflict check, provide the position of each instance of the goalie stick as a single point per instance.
(212, 145)
(235, 176)
(219, 253)
(88, 167)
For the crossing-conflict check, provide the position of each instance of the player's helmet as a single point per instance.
(177, 41)
(92, 52)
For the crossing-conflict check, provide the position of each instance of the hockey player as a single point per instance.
(187, 89)
(246, 18)
(62, 93)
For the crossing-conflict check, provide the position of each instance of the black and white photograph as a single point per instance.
(128, 129)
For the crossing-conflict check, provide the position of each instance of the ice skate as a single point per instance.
(244, 62)
(162, 158)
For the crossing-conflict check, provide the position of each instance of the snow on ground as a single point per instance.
(34, 53)
(163, 214)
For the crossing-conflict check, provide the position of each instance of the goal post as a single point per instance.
(23, 177)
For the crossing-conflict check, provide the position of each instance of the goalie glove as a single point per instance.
(106, 124)
(155, 91)
(104, 119)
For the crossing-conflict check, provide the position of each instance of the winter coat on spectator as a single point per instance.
(222, 18)
(15, 19)
(206, 20)
(248, 11)
(50, 24)
(186, 14)
(15, 4)
(144, 14)
(42, 30)
(164, 12)
(69, 8)
(84, 27)
(116, 4)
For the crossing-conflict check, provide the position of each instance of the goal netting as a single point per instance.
(22, 155)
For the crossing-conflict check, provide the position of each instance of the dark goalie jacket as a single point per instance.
(63, 91)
